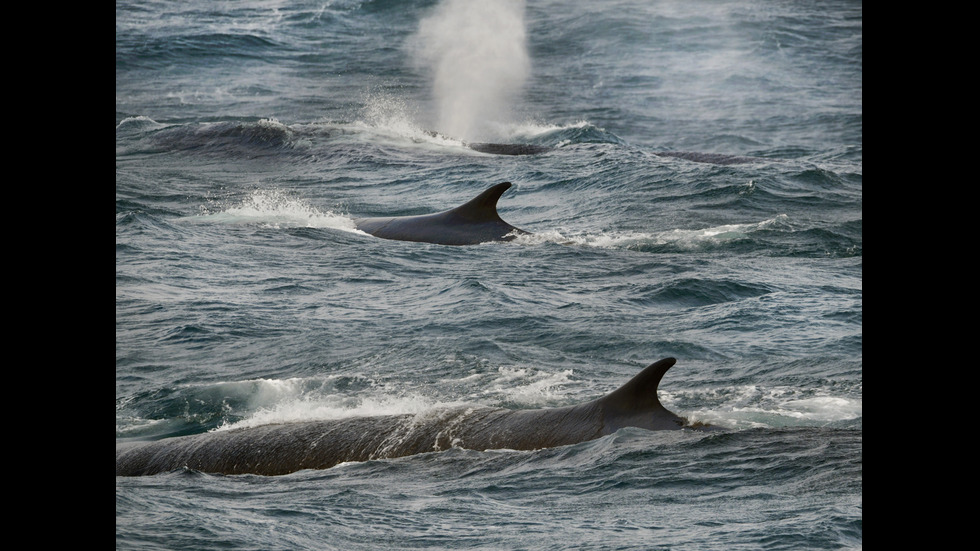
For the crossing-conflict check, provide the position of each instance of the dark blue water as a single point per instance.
(250, 134)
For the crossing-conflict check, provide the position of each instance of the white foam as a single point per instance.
(389, 115)
(272, 401)
(725, 232)
(331, 407)
(753, 406)
(823, 408)
(529, 387)
(276, 209)
(291, 400)
(627, 239)
(140, 122)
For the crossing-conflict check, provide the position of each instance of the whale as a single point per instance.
(283, 448)
(471, 223)
(494, 148)
(508, 148)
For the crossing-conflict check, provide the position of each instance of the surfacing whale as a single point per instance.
(496, 148)
(509, 148)
(471, 223)
(284, 448)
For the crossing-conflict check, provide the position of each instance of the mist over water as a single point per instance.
(477, 58)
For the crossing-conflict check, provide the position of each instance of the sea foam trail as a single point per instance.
(629, 239)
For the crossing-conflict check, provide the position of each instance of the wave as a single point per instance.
(247, 139)
(139, 123)
(152, 51)
(384, 122)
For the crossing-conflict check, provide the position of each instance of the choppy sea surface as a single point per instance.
(701, 198)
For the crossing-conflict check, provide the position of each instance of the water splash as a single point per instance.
(276, 209)
(389, 114)
(314, 407)
(268, 401)
(476, 54)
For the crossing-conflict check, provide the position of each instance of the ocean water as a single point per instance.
(250, 134)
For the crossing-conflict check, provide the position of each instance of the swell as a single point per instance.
(243, 139)
(140, 52)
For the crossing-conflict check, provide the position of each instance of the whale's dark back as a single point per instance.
(288, 447)
(476, 221)
(509, 148)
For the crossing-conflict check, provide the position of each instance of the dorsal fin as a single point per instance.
(482, 208)
(640, 392)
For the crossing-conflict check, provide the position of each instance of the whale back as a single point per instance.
(473, 222)
(283, 448)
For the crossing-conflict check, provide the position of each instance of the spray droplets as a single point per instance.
(476, 54)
